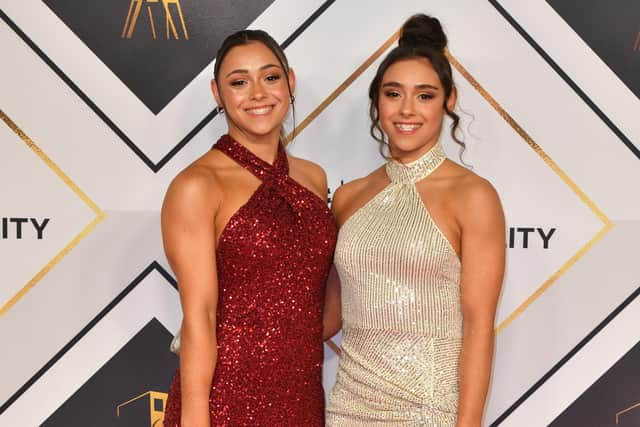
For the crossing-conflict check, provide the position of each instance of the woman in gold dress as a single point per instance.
(420, 256)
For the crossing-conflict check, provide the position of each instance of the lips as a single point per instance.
(407, 127)
(260, 111)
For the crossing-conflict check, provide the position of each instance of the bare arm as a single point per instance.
(483, 258)
(332, 315)
(189, 242)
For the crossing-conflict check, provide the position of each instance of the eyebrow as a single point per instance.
(245, 71)
(420, 86)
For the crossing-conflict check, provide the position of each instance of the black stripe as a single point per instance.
(185, 140)
(155, 167)
(147, 161)
(153, 266)
(306, 23)
(626, 141)
(566, 358)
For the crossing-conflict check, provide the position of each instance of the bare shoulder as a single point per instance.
(344, 193)
(307, 167)
(476, 197)
(194, 190)
(477, 191)
(310, 174)
(345, 196)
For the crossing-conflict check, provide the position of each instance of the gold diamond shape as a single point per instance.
(607, 224)
(60, 255)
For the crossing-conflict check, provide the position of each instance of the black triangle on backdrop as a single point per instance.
(615, 391)
(567, 79)
(121, 33)
(562, 362)
(611, 29)
(143, 365)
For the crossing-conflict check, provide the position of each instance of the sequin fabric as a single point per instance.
(402, 321)
(273, 258)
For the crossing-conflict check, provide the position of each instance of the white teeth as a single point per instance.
(261, 110)
(407, 127)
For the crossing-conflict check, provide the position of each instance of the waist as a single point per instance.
(444, 322)
(384, 301)
(399, 368)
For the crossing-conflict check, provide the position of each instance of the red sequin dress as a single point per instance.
(273, 258)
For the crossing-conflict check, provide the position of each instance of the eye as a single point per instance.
(273, 77)
(425, 96)
(238, 83)
(392, 94)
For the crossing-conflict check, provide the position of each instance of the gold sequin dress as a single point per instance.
(401, 316)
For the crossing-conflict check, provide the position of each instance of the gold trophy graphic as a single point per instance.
(170, 28)
(146, 409)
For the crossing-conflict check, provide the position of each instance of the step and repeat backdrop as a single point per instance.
(103, 102)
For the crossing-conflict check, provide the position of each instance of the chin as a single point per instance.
(262, 127)
(405, 146)
(262, 132)
(410, 143)
(265, 130)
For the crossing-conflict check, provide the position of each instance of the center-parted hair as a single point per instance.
(421, 36)
(245, 37)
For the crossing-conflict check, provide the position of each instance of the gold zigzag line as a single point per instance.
(568, 181)
(89, 228)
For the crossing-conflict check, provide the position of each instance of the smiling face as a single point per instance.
(411, 106)
(252, 88)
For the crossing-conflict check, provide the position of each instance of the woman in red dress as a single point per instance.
(248, 234)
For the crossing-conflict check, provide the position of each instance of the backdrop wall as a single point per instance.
(104, 102)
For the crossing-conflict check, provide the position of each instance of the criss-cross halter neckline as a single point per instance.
(278, 171)
(412, 172)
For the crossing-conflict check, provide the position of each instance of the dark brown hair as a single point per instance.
(245, 37)
(421, 36)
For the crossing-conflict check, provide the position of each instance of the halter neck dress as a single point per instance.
(402, 321)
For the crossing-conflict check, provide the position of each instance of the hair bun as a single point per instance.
(423, 30)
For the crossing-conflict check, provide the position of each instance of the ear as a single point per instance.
(292, 81)
(453, 99)
(216, 93)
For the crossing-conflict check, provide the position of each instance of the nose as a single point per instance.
(257, 91)
(406, 107)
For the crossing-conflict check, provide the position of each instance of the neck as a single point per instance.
(264, 147)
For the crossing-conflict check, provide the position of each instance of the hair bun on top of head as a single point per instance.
(422, 30)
